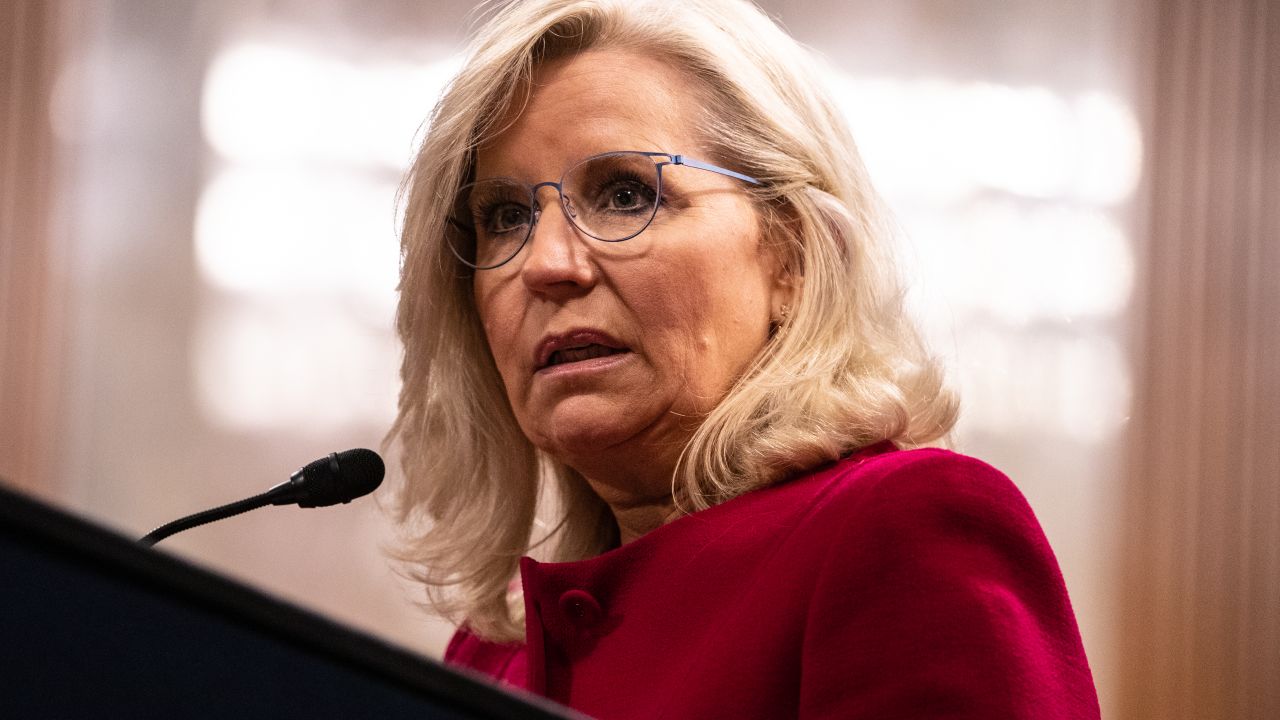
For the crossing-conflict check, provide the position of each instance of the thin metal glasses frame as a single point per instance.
(536, 210)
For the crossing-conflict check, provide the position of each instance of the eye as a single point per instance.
(503, 218)
(625, 195)
(496, 206)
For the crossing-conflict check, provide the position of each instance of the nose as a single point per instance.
(556, 259)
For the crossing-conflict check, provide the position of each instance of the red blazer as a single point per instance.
(892, 584)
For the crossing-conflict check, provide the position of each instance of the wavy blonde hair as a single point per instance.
(846, 369)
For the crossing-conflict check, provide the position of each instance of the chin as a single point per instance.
(584, 439)
(578, 431)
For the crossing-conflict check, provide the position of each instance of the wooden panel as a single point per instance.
(1201, 638)
(28, 288)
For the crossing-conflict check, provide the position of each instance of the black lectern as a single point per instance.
(94, 626)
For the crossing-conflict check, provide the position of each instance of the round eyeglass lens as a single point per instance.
(490, 221)
(612, 197)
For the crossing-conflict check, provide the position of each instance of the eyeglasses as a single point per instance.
(611, 197)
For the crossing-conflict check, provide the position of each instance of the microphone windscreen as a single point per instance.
(339, 478)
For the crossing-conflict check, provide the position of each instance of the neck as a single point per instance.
(639, 504)
(635, 484)
(635, 520)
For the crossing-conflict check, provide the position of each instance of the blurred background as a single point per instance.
(198, 261)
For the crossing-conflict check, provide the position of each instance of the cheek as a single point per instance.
(500, 319)
(711, 309)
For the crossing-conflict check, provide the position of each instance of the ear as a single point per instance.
(783, 295)
(781, 242)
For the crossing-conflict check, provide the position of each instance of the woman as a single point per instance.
(644, 270)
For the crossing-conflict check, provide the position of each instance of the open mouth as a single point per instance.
(580, 353)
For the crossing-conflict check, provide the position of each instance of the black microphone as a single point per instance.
(337, 478)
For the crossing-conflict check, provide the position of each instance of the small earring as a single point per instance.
(776, 324)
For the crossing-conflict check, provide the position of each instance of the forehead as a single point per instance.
(590, 103)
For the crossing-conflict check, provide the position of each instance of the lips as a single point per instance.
(576, 346)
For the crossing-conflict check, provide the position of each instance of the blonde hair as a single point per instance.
(846, 368)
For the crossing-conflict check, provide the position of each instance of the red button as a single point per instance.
(580, 609)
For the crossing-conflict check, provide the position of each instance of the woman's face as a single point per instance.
(611, 353)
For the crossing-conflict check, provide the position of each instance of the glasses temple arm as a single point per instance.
(690, 162)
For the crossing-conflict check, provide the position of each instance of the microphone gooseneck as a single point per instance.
(336, 478)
